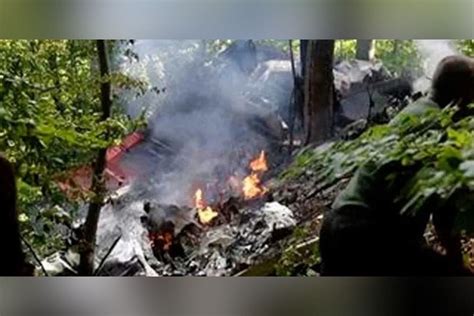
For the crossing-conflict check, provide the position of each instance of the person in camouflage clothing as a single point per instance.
(364, 232)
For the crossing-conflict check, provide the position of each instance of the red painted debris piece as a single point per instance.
(81, 178)
(114, 153)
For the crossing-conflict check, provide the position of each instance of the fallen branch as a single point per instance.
(35, 256)
(329, 185)
(102, 262)
(267, 267)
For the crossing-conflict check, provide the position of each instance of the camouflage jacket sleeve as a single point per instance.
(376, 185)
(375, 189)
(369, 187)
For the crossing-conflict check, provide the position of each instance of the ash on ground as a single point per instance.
(244, 234)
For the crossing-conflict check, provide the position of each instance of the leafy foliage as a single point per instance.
(466, 47)
(298, 262)
(50, 123)
(397, 55)
(441, 147)
(345, 49)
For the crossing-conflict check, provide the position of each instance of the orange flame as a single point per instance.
(251, 185)
(167, 240)
(205, 213)
(164, 239)
(259, 164)
(198, 199)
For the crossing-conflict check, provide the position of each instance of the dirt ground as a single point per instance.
(308, 202)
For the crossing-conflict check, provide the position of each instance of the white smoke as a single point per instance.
(431, 52)
(203, 113)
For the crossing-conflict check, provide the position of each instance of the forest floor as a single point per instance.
(309, 199)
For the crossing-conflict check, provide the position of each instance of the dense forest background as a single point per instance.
(53, 119)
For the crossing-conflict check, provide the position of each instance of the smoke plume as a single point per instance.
(431, 52)
(199, 124)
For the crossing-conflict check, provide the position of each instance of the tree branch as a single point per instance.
(86, 266)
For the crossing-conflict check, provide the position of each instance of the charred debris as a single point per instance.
(203, 196)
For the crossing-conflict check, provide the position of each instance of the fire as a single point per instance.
(251, 185)
(162, 240)
(167, 240)
(259, 164)
(199, 200)
(205, 213)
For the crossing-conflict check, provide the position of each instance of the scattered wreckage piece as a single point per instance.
(366, 89)
(225, 249)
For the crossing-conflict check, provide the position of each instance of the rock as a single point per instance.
(359, 83)
(353, 72)
(278, 216)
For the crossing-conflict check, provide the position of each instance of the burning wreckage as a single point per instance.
(224, 228)
(190, 195)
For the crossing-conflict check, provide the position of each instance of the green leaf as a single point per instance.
(468, 168)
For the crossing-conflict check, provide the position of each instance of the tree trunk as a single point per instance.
(303, 53)
(13, 259)
(396, 46)
(364, 49)
(86, 266)
(318, 95)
